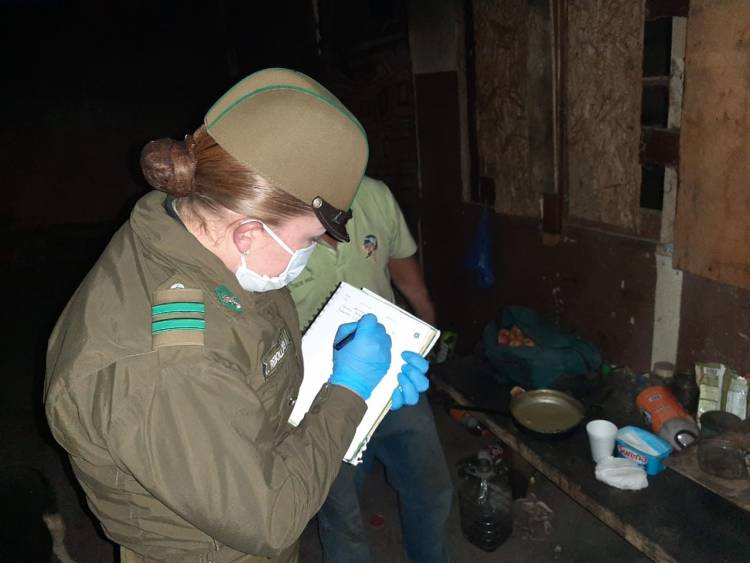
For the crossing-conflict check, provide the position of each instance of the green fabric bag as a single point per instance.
(557, 356)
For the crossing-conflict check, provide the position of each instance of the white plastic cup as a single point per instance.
(601, 438)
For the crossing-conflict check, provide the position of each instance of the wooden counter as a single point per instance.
(674, 519)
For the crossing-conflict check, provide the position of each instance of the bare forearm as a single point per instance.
(423, 307)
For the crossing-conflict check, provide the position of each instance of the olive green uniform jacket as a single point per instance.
(170, 387)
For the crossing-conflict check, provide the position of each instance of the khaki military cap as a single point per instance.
(298, 136)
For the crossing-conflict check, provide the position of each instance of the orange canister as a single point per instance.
(666, 416)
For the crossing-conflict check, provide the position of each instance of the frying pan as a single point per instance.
(544, 413)
(547, 413)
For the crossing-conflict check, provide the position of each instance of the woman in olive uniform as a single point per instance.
(174, 367)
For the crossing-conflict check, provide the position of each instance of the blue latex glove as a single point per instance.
(411, 381)
(362, 362)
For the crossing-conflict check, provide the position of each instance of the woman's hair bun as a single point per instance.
(169, 166)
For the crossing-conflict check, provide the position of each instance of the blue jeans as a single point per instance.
(407, 444)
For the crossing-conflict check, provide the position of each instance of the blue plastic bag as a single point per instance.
(479, 260)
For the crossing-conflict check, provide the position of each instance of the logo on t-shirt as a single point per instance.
(370, 245)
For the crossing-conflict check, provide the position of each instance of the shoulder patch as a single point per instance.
(228, 299)
(178, 318)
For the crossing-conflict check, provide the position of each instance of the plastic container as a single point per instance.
(484, 496)
(714, 423)
(663, 370)
(723, 458)
(642, 447)
(667, 418)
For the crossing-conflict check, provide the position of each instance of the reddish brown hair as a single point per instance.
(205, 178)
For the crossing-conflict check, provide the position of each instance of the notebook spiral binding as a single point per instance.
(319, 310)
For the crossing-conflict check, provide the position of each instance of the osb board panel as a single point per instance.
(500, 38)
(712, 229)
(605, 53)
(540, 97)
(714, 323)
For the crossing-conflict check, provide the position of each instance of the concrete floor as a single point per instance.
(575, 536)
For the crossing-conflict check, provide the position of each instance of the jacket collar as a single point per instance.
(170, 242)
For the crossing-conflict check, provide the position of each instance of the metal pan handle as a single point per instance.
(504, 412)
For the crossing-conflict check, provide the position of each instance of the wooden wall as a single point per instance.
(599, 283)
(714, 324)
(603, 92)
(712, 228)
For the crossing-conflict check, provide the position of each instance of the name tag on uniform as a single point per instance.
(275, 355)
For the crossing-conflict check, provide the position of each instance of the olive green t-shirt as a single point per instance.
(377, 231)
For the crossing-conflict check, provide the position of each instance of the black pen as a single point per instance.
(344, 341)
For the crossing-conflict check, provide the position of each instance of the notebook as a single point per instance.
(347, 304)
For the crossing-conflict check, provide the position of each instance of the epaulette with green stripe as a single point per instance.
(178, 317)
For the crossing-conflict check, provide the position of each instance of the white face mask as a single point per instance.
(253, 281)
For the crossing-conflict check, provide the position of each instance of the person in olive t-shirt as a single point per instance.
(382, 251)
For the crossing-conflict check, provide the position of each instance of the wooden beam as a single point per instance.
(660, 146)
(667, 9)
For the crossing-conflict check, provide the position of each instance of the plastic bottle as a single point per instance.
(686, 391)
(467, 421)
(484, 501)
(666, 416)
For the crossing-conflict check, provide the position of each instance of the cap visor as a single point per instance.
(336, 229)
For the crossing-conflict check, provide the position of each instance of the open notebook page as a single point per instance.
(348, 304)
